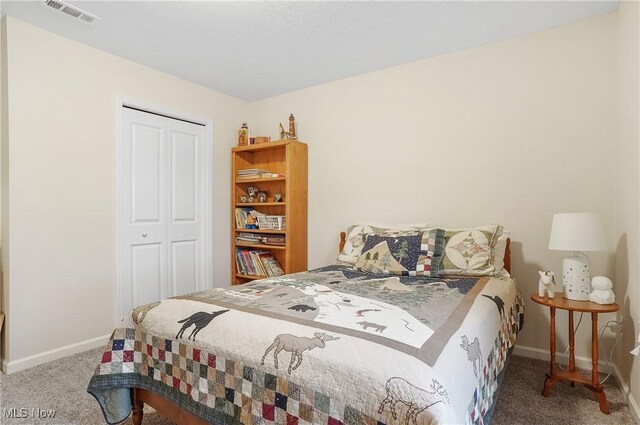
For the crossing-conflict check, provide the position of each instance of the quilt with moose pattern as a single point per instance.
(328, 346)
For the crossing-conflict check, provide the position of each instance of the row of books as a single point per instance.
(257, 173)
(261, 239)
(257, 263)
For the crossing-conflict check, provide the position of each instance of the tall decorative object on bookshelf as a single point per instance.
(291, 134)
(243, 135)
(279, 243)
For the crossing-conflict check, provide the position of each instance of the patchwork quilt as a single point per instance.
(328, 346)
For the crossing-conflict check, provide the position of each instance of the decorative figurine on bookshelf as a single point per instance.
(262, 196)
(291, 134)
(243, 135)
(251, 222)
(243, 199)
(253, 190)
(277, 197)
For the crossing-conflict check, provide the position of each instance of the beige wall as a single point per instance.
(510, 132)
(62, 98)
(628, 192)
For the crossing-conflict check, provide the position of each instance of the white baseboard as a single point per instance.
(584, 363)
(536, 353)
(633, 405)
(48, 356)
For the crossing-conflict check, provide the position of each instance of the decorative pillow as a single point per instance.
(356, 234)
(470, 251)
(402, 253)
(500, 249)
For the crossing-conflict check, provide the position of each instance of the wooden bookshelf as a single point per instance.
(287, 158)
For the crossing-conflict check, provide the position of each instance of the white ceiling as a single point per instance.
(254, 50)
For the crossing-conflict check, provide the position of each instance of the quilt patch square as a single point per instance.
(127, 356)
(256, 392)
(268, 411)
(203, 370)
(211, 360)
(305, 412)
(220, 377)
(322, 402)
(247, 387)
(270, 381)
(281, 401)
(247, 373)
(294, 391)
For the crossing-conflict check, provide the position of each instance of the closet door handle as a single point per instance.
(144, 235)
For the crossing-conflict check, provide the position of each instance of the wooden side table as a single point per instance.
(572, 374)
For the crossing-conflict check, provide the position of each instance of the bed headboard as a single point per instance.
(507, 251)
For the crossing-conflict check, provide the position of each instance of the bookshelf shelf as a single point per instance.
(258, 180)
(259, 246)
(268, 231)
(260, 204)
(249, 277)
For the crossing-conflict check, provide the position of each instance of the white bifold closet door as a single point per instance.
(161, 250)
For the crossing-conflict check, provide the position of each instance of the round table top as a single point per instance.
(565, 304)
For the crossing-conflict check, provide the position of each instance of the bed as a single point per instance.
(334, 345)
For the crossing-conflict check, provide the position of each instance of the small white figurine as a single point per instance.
(602, 293)
(546, 283)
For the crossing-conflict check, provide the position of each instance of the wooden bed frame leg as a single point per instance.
(136, 408)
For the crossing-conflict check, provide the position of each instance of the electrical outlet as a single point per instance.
(615, 327)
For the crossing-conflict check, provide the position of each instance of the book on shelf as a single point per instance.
(248, 264)
(257, 262)
(273, 240)
(239, 263)
(241, 218)
(273, 266)
(252, 173)
(249, 238)
(257, 173)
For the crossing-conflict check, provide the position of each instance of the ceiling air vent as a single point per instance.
(72, 11)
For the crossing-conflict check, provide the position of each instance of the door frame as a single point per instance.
(207, 239)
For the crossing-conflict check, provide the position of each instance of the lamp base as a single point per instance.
(576, 278)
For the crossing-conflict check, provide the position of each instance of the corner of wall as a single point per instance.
(4, 175)
(634, 407)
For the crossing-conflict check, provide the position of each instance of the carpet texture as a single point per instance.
(61, 386)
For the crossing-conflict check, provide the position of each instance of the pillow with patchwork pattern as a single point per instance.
(470, 251)
(402, 253)
(356, 234)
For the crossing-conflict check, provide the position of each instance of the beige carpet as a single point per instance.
(61, 386)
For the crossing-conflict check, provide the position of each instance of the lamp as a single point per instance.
(576, 232)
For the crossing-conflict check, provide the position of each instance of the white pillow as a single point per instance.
(356, 235)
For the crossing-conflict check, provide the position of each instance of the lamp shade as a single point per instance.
(577, 232)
